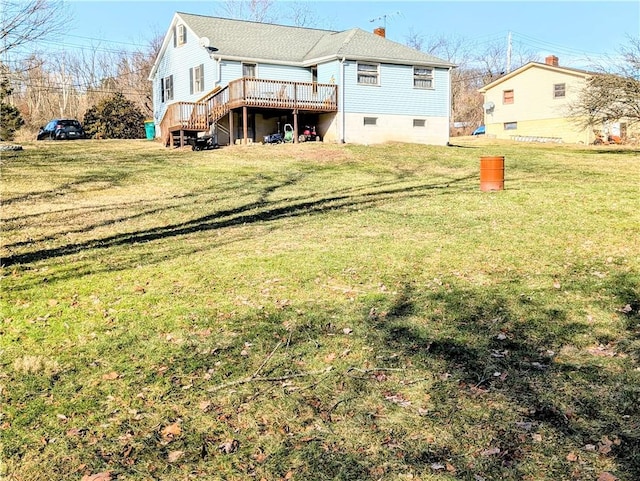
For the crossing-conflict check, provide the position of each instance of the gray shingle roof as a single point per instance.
(264, 41)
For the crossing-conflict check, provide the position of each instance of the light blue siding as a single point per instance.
(177, 61)
(329, 72)
(284, 73)
(395, 93)
(232, 70)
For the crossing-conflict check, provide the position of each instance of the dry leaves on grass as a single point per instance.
(230, 446)
(490, 452)
(398, 399)
(604, 446)
(174, 456)
(605, 476)
(105, 476)
(170, 432)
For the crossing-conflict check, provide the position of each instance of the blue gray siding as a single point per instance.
(329, 72)
(395, 93)
(232, 70)
(177, 61)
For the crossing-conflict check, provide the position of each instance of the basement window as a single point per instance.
(368, 73)
(559, 91)
(507, 97)
(510, 125)
(419, 122)
(370, 121)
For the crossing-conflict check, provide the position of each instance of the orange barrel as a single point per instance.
(491, 173)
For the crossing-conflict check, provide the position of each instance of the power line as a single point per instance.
(107, 41)
(556, 46)
(59, 88)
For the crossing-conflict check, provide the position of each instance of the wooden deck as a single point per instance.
(188, 118)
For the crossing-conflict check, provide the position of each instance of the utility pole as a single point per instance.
(509, 52)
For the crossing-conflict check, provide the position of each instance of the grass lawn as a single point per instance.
(319, 312)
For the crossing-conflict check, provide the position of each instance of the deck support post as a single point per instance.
(245, 127)
(232, 137)
(184, 119)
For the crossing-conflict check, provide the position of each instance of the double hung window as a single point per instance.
(368, 73)
(179, 35)
(423, 77)
(196, 78)
(166, 88)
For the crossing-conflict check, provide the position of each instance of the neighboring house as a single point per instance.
(246, 80)
(533, 103)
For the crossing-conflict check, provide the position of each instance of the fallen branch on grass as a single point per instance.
(250, 379)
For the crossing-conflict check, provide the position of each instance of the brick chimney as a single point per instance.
(551, 60)
(380, 32)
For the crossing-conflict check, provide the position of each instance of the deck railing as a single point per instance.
(255, 92)
(249, 92)
(184, 115)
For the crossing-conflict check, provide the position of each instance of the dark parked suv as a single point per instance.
(62, 129)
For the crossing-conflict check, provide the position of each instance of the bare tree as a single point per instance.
(612, 93)
(37, 95)
(23, 22)
(466, 101)
(414, 40)
(300, 14)
(255, 10)
(609, 98)
(475, 68)
(631, 54)
(69, 83)
(133, 73)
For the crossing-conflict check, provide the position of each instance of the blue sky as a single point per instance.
(578, 32)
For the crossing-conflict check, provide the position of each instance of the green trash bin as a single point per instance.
(150, 129)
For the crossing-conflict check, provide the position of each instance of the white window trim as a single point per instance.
(430, 77)
(505, 98)
(255, 68)
(196, 79)
(370, 73)
(181, 32)
(564, 91)
(166, 86)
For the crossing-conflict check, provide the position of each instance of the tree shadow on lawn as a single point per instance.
(632, 151)
(495, 346)
(462, 336)
(90, 182)
(259, 211)
(459, 336)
